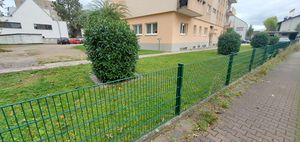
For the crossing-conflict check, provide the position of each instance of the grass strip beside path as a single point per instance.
(141, 52)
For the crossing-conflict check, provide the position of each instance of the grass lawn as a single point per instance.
(245, 47)
(4, 50)
(128, 110)
(31, 84)
(141, 52)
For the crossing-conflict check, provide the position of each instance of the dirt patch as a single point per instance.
(34, 55)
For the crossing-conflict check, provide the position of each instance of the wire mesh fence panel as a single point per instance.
(240, 65)
(203, 78)
(110, 112)
(258, 58)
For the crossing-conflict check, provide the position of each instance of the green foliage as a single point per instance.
(111, 45)
(250, 32)
(207, 118)
(4, 50)
(220, 102)
(109, 9)
(229, 42)
(298, 28)
(260, 40)
(273, 40)
(271, 23)
(82, 18)
(70, 11)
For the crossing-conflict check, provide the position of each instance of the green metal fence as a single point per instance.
(126, 109)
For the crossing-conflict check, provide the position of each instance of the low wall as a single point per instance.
(176, 47)
(50, 40)
(21, 39)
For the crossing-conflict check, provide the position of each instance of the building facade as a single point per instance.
(44, 4)
(174, 25)
(289, 24)
(239, 26)
(30, 18)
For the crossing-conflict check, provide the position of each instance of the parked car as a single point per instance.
(75, 41)
(63, 40)
(298, 36)
(284, 39)
(82, 40)
(245, 41)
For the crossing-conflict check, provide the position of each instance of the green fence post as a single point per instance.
(179, 89)
(252, 59)
(228, 76)
(265, 54)
(276, 50)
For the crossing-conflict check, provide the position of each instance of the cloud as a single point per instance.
(256, 11)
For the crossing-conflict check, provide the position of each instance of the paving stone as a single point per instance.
(267, 112)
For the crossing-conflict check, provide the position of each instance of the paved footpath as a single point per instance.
(269, 111)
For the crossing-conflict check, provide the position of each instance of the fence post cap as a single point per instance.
(180, 64)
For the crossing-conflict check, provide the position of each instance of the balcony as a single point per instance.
(231, 12)
(190, 8)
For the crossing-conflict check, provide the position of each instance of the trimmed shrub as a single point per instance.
(229, 42)
(260, 40)
(273, 40)
(111, 46)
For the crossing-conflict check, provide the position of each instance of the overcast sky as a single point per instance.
(254, 12)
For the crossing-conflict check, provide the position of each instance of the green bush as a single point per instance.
(260, 40)
(273, 40)
(111, 46)
(229, 42)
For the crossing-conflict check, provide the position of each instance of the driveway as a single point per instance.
(20, 56)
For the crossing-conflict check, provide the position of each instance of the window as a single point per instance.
(183, 28)
(152, 29)
(13, 25)
(215, 10)
(200, 30)
(209, 9)
(138, 29)
(205, 31)
(195, 30)
(42, 27)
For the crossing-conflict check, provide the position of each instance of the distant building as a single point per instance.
(174, 25)
(44, 4)
(31, 19)
(289, 24)
(239, 26)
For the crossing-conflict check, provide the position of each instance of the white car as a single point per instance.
(284, 39)
(298, 36)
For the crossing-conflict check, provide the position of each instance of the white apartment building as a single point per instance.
(30, 19)
(239, 26)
